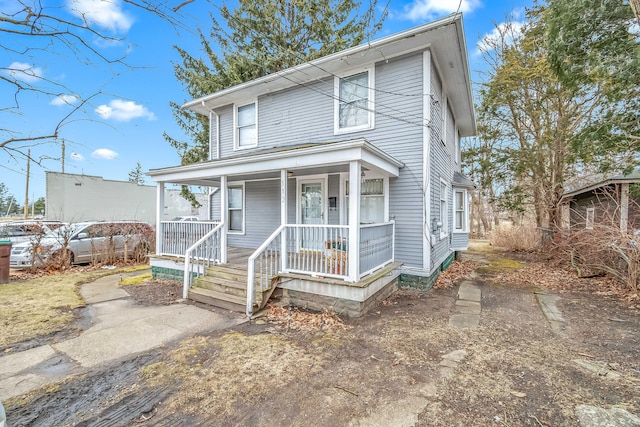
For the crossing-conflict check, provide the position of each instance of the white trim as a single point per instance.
(237, 184)
(316, 156)
(370, 101)
(465, 211)
(159, 215)
(236, 147)
(444, 220)
(224, 208)
(445, 113)
(354, 220)
(426, 159)
(323, 178)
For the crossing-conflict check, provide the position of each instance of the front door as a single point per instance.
(311, 213)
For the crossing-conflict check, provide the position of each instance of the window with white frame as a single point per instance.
(236, 209)
(354, 102)
(371, 200)
(460, 210)
(591, 213)
(443, 208)
(246, 129)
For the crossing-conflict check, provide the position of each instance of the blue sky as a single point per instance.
(124, 122)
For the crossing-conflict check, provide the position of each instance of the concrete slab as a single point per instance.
(106, 288)
(466, 303)
(464, 321)
(13, 363)
(17, 385)
(140, 329)
(593, 416)
(469, 292)
(468, 309)
(549, 307)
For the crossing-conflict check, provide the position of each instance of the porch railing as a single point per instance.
(201, 254)
(376, 246)
(178, 236)
(318, 250)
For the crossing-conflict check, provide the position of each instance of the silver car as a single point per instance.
(26, 230)
(85, 242)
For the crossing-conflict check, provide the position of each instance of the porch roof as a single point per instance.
(328, 157)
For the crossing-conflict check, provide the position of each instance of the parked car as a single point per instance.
(84, 242)
(27, 230)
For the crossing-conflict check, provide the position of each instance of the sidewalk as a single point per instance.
(119, 328)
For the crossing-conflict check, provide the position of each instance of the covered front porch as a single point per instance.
(291, 209)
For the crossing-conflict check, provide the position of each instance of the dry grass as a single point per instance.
(221, 372)
(524, 238)
(41, 306)
(135, 280)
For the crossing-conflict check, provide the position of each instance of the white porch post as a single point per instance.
(624, 207)
(283, 218)
(354, 220)
(159, 216)
(224, 212)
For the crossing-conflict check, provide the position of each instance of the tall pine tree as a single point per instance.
(257, 38)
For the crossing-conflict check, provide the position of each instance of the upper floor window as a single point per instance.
(354, 102)
(246, 126)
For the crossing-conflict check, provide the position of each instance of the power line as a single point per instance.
(281, 73)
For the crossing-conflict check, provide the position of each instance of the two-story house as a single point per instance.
(333, 180)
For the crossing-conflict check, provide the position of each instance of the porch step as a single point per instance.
(218, 299)
(223, 285)
(238, 274)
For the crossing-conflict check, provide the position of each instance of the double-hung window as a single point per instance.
(371, 200)
(354, 102)
(236, 209)
(246, 126)
(460, 211)
(443, 209)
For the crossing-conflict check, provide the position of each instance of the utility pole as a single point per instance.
(62, 155)
(26, 193)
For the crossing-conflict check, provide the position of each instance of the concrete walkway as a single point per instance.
(119, 328)
(467, 306)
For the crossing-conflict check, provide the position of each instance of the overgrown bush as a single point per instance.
(605, 248)
(525, 237)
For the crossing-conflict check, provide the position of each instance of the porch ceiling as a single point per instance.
(322, 158)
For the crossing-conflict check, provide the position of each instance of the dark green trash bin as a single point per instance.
(5, 254)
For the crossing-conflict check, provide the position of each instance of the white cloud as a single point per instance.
(506, 32)
(77, 157)
(104, 153)
(24, 72)
(123, 111)
(106, 14)
(426, 10)
(65, 100)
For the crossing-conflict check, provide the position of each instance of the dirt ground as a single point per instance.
(401, 364)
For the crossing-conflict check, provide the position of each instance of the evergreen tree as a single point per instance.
(594, 47)
(260, 37)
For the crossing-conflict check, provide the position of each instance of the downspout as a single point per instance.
(212, 112)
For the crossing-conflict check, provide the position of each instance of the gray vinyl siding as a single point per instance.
(305, 114)
(262, 213)
(459, 241)
(442, 167)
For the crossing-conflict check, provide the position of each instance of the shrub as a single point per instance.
(525, 237)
